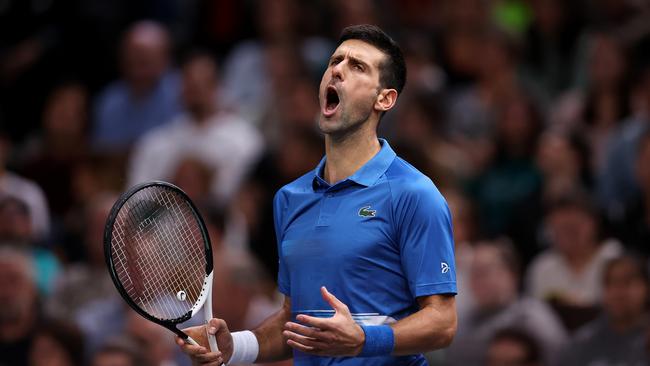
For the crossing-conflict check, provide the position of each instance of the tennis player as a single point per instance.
(365, 240)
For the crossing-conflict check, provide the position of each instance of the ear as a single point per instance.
(386, 100)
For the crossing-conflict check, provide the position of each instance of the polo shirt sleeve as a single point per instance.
(279, 209)
(425, 236)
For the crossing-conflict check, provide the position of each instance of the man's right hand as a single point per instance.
(201, 355)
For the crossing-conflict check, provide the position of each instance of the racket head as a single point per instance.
(158, 253)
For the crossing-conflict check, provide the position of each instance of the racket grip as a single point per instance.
(190, 340)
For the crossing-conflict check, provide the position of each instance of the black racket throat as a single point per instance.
(158, 253)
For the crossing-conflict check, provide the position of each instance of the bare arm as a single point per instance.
(269, 335)
(430, 328)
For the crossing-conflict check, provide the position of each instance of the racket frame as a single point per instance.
(206, 290)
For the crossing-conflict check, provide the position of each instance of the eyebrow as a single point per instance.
(352, 58)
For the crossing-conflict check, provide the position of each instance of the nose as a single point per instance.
(337, 71)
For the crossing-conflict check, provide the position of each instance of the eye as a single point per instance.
(358, 67)
(334, 61)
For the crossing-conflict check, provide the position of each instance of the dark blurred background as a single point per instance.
(531, 116)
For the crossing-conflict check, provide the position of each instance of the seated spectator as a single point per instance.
(633, 227)
(16, 230)
(122, 351)
(616, 183)
(51, 156)
(494, 280)
(57, 344)
(84, 282)
(513, 347)
(618, 336)
(222, 141)
(568, 274)
(19, 312)
(147, 95)
(26, 191)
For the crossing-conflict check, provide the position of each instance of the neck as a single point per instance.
(202, 114)
(345, 155)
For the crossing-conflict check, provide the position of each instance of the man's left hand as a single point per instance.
(337, 336)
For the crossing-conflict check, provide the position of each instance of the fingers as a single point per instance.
(313, 343)
(320, 323)
(335, 303)
(215, 325)
(312, 333)
(190, 349)
(199, 354)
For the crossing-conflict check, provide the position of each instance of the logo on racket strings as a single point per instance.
(181, 295)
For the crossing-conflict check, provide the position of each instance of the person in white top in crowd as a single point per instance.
(25, 190)
(223, 141)
(570, 271)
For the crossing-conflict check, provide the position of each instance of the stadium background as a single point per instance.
(531, 116)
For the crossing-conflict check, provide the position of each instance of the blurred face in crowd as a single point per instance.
(493, 284)
(46, 351)
(199, 86)
(113, 359)
(153, 340)
(98, 211)
(350, 91)
(145, 54)
(556, 157)
(625, 292)
(17, 296)
(572, 230)
(15, 221)
(65, 112)
(606, 62)
(507, 352)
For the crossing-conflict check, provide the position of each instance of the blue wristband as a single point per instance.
(379, 340)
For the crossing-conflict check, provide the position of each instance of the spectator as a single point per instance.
(617, 337)
(16, 230)
(19, 313)
(25, 190)
(569, 273)
(616, 183)
(494, 282)
(147, 95)
(51, 156)
(633, 227)
(88, 281)
(512, 347)
(56, 344)
(122, 351)
(222, 141)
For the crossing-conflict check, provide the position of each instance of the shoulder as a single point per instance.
(298, 186)
(410, 186)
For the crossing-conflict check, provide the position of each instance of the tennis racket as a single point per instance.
(159, 256)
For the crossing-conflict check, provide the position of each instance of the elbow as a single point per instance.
(445, 337)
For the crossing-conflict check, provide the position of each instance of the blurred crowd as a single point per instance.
(531, 116)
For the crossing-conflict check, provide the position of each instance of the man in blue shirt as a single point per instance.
(365, 240)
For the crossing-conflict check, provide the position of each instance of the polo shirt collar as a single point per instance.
(368, 174)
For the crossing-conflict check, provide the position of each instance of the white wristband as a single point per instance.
(244, 348)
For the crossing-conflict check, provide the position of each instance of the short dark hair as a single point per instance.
(393, 70)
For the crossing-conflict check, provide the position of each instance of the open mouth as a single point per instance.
(331, 100)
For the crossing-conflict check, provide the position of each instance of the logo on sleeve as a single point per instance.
(367, 212)
(444, 267)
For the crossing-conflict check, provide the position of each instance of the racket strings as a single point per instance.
(158, 252)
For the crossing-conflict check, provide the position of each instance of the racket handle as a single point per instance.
(191, 341)
(207, 309)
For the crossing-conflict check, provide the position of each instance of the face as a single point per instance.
(493, 285)
(113, 359)
(46, 351)
(17, 291)
(625, 293)
(199, 84)
(572, 230)
(506, 352)
(350, 88)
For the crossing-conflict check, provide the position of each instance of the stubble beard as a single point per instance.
(349, 122)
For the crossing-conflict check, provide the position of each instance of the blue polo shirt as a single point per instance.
(377, 240)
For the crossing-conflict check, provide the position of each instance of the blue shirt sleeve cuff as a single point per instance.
(436, 289)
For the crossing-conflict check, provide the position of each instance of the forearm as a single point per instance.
(432, 327)
(269, 335)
